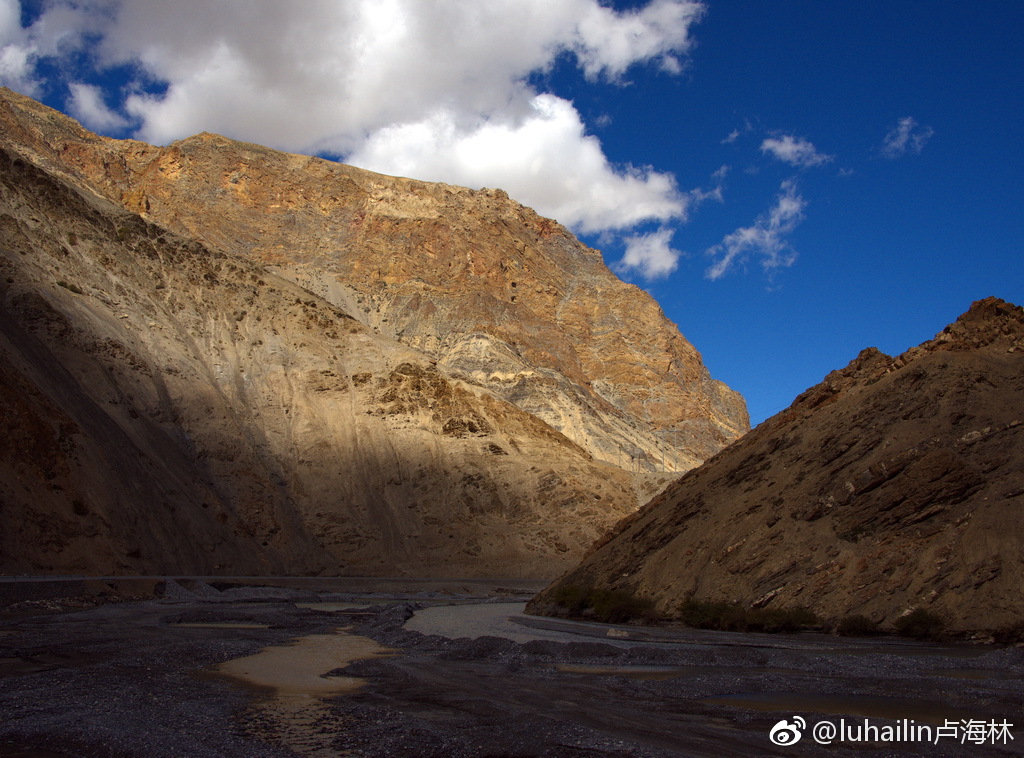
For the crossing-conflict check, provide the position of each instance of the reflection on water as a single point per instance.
(332, 607)
(220, 625)
(632, 672)
(298, 669)
(665, 672)
(295, 715)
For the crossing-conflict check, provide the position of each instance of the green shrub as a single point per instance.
(783, 619)
(733, 617)
(920, 624)
(606, 605)
(620, 606)
(856, 626)
(1010, 635)
(708, 615)
(572, 597)
(72, 287)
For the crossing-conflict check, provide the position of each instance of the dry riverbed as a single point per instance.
(402, 668)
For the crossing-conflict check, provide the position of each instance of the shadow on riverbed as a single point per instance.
(427, 669)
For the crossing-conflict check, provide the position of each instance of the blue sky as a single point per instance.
(793, 181)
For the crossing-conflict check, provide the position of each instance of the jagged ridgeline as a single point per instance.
(896, 486)
(221, 358)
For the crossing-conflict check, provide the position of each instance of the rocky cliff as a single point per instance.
(492, 291)
(220, 358)
(895, 484)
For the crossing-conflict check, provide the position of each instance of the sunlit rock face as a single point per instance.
(895, 484)
(222, 358)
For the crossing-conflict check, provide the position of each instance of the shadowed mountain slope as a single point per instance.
(492, 291)
(895, 484)
(176, 403)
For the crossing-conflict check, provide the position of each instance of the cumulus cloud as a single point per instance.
(766, 238)
(795, 151)
(17, 52)
(544, 159)
(435, 89)
(650, 255)
(59, 33)
(609, 42)
(86, 104)
(907, 137)
(16, 68)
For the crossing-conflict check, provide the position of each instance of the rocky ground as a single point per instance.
(442, 671)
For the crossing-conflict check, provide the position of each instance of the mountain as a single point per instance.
(218, 358)
(893, 485)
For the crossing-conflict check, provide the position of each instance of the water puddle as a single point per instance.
(299, 668)
(663, 672)
(908, 649)
(632, 672)
(334, 607)
(868, 706)
(219, 625)
(295, 716)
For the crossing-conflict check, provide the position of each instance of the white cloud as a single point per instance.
(435, 89)
(544, 159)
(59, 31)
(17, 69)
(611, 42)
(321, 74)
(10, 20)
(795, 151)
(717, 191)
(86, 104)
(735, 134)
(766, 238)
(907, 137)
(650, 254)
(17, 52)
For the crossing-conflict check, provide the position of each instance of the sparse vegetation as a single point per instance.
(920, 624)
(733, 617)
(605, 605)
(71, 287)
(572, 598)
(853, 535)
(856, 626)
(1010, 635)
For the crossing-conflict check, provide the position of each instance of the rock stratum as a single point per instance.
(218, 358)
(895, 484)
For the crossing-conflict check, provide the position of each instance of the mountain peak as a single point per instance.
(987, 321)
(319, 368)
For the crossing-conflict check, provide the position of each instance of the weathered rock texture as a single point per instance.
(219, 358)
(492, 291)
(896, 483)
